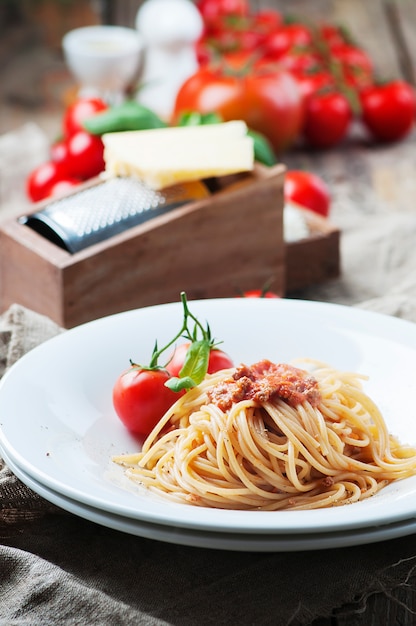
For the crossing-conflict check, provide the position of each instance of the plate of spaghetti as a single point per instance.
(313, 431)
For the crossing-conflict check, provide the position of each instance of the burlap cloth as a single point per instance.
(56, 568)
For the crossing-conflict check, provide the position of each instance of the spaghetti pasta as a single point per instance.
(271, 437)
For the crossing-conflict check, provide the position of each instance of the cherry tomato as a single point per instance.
(61, 187)
(140, 398)
(85, 157)
(213, 11)
(42, 178)
(267, 20)
(287, 38)
(218, 360)
(259, 293)
(269, 101)
(313, 82)
(388, 111)
(81, 110)
(355, 66)
(308, 190)
(327, 119)
(332, 34)
(59, 152)
(301, 62)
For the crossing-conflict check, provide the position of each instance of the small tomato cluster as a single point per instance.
(335, 77)
(143, 393)
(78, 156)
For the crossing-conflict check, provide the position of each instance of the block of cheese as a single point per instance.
(166, 156)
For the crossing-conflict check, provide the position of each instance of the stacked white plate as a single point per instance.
(58, 428)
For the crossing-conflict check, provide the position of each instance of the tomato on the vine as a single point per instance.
(260, 293)
(85, 157)
(213, 11)
(218, 360)
(327, 119)
(308, 190)
(80, 110)
(290, 37)
(42, 178)
(354, 65)
(316, 81)
(141, 398)
(389, 110)
(268, 100)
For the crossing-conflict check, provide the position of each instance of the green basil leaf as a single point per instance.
(177, 384)
(129, 115)
(196, 361)
(194, 118)
(263, 151)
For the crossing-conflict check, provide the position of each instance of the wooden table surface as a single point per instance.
(366, 177)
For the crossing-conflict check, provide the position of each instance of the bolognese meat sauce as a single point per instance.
(266, 381)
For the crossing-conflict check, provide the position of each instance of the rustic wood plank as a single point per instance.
(401, 16)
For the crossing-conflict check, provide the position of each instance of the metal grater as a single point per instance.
(97, 213)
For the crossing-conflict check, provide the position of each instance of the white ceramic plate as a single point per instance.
(250, 542)
(58, 426)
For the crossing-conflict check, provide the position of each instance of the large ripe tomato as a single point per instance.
(140, 398)
(80, 110)
(85, 157)
(308, 190)
(268, 100)
(389, 110)
(327, 119)
(218, 360)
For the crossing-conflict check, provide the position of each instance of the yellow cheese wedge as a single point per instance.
(166, 156)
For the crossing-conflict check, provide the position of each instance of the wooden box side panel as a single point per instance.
(215, 248)
(28, 278)
(316, 259)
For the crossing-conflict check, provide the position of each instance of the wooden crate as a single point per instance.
(216, 247)
(315, 259)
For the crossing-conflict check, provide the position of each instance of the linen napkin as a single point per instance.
(57, 568)
(20, 331)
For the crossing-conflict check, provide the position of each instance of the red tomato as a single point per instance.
(213, 11)
(308, 190)
(79, 111)
(269, 101)
(389, 110)
(332, 35)
(301, 62)
(356, 66)
(42, 178)
(218, 360)
(287, 38)
(61, 187)
(259, 293)
(85, 155)
(234, 39)
(314, 82)
(59, 152)
(327, 119)
(140, 398)
(267, 20)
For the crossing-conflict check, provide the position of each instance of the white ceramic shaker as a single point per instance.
(169, 30)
